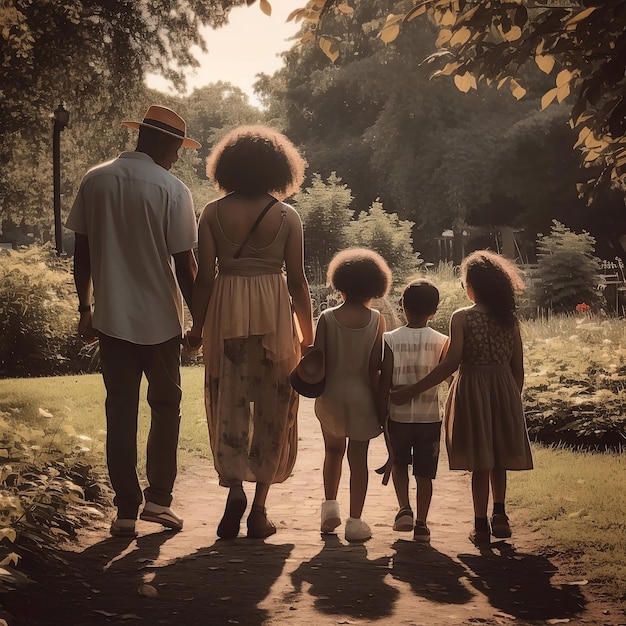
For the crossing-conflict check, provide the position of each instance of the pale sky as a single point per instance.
(248, 45)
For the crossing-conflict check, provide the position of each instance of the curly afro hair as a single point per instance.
(495, 281)
(254, 161)
(359, 274)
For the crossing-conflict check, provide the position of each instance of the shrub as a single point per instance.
(325, 211)
(37, 314)
(569, 271)
(575, 381)
(388, 235)
(48, 488)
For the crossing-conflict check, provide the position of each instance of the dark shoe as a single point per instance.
(259, 527)
(236, 503)
(480, 537)
(421, 532)
(404, 521)
(500, 526)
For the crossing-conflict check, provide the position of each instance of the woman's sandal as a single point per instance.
(259, 527)
(236, 503)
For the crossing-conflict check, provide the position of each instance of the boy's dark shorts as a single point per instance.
(416, 445)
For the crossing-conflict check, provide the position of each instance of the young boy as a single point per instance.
(411, 352)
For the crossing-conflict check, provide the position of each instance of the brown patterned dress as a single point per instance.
(484, 418)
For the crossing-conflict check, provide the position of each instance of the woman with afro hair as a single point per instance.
(250, 282)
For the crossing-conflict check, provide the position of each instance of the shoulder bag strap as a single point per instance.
(271, 203)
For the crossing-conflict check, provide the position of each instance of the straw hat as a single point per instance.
(309, 377)
(165, 121)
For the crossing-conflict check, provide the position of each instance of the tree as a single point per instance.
(423, 148)
(26, 180)
(568, 270)
(580, 44)
(388, 235)
(325, 211)
(52, 49)
(92, 55)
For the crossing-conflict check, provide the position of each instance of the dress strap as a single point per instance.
(263, 213)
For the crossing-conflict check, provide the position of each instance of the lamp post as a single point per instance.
(61, 120)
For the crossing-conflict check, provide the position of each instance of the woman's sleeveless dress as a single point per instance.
(346, 408)
(250, 347)
(484, 417)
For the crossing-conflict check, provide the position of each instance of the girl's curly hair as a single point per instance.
(495, 280)
(359, 274)
(256, 160)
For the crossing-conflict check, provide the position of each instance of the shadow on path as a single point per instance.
(519, 584)
(431, 574)
(330, 575)
(203, 587)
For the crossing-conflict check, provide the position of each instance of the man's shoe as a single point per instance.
(161, 515)
(123, 528)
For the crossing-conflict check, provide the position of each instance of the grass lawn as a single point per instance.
(576, 500)
(75, 404)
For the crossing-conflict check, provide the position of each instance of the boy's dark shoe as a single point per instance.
(421, 532)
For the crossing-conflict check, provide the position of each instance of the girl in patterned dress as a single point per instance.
(484, 418)
(351, 337)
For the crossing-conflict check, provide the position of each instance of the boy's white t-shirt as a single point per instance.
(416, 351)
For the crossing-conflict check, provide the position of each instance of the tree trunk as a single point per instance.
(507, 237)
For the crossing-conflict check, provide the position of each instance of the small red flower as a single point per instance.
(582, 307)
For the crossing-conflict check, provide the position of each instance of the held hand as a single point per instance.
(402, 394)
(86, 333)
(192, 342)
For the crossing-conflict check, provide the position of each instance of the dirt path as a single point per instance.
(299, 578)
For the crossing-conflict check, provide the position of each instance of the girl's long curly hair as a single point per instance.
(495, 281)
(255, 160)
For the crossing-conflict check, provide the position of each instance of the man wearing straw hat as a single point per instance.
(135, 230)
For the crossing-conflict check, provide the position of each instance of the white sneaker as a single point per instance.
(357, 530)
(330, 516)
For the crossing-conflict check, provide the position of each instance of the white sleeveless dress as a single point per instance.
(346, 408)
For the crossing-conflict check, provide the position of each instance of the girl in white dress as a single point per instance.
(351, 337)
